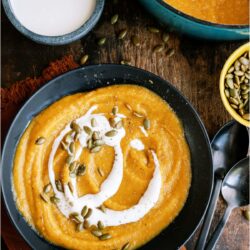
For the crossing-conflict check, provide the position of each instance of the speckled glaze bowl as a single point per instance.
(56, 40)
(194, 27)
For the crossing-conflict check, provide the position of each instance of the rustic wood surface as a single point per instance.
(194, 69)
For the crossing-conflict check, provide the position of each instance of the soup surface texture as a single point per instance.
(102, 169)
(215, 11)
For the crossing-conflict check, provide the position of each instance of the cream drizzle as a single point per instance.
(70, 203)
(137, 144)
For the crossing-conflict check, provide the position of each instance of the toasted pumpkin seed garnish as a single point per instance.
(96, 233)
(40, 140)
(170, 52)
(100, 172)
(44, 197)
(88, 214)
(70, 185)
(146, 123)
(95, 149)
(84, 211)
(114, 19)
(79, 227)
(100, 225)
(135, 40)
(106, 236)
(119, 124)
(128, 106)
(138, 114)
(86, 224)
(101, 41)
(246, 214)
(125, 62)
(99, 142)
(96, 135)
(93, 122)
(74, 126)
(111, 133)
(112, 122)
(165, 37)
(59, 185)
(89, 144)
(158, 48)
(87, 130)
(126, 246)
(54, 199)
(84, 59)
(72, 147)
(47, 188)
(102, 208)
(122, 34)
(78, 218)
(81, 170)
(72, 166)
(69, 159)
(115, 110)
(153, 29)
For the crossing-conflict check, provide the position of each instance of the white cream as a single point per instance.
(52, 17)
(137, 144)
(70, 203)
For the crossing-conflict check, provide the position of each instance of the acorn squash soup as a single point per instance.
(231, 12)
(105, 169)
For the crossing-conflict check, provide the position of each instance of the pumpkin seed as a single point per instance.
(78, 218)
(246, 116)
(244, 61)
(59, 185)
(105, 236)
(89, 144)
(69, 159)
(128, 106)
(114, 19)
(87, 130)
(88, 214)
(233, 92)
(243, 86)
(245, 96)
(165, 37)
(79, 227)
(126, 246)
(72, 166)
(102, 208)
(54, 199)
(153, 29)
(112, 122)
(74, 126)
(146, 123)
(233, 100)
(122, 34)
(47, 188)
(100, 225)
(125, 62)
(86, 224)
(246, 214)
(237, 80)
(229, 76)
(93, 122)
(81, 170)
(44, 197)
(40, 140)
(231, 69)
(100, 172)
(234, 106)
(119, 124)
(101, 41)
(72, 147)
(84, 59)
(111, 133)
(84, 211)
(115, 110)
(96, 233)
(230, 83)
(99, 142)
(170, 52)
(238, 73)
(138, 114)
(227, 93)
(236, 64)
(158, 48)
(135, 41)
(70, 185)
(95, 149)
(96, 135)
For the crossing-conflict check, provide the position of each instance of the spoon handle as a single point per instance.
(209, 215)
(219, 229)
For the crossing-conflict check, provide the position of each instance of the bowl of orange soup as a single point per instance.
(207, 19)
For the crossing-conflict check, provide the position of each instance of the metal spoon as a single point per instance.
(235, 191)
(229, 145)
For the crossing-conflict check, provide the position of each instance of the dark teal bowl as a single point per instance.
(194, 27)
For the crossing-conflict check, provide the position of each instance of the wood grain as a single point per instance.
(194, 69)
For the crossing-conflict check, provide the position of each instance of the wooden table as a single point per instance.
(194, 69)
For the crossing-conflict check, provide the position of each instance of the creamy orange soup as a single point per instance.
(215, 11)
(106, 169)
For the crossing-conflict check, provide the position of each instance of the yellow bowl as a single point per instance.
(230, 61)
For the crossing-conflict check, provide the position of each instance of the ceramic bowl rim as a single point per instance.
(55, 40)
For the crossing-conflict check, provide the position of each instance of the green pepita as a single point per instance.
(84, 211)
(87, 130)
(93, 122)
(115, 110)
(135, 40)
(158, 48)
(95, 149)
(96, 233)
(47, 188)
(96, 135)
(81, 170)
(146, 123)
(79, 227)
(59, 185)
(74, 126)
(153, 29)
(105, 236)
(165, 37)
(100, 225)
(170, 52)
(86, 224)
(54, 199)
(88, 214)
(69, 159)
(246, 214)
(84, 59)
(101, 41)
(111, 133)
(114, 19)
(122, 34)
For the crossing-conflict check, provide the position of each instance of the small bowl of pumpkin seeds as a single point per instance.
(235, 85)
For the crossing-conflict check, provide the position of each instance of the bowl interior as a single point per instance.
(55, 40)
(92, 77)
(230, 61)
